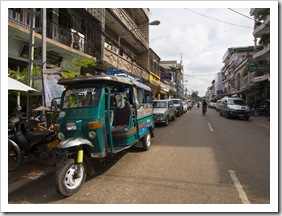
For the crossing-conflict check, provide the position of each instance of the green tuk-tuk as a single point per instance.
(100, 116)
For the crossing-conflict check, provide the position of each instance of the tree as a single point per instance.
(194, 95)
(73, 66)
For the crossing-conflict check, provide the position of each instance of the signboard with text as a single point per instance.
(256, 67)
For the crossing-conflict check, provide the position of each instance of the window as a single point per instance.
(78, 98)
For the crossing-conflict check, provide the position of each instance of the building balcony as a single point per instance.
(262, 28)
(125, 63)
(262, 54)
(128, 22)
(19, 20)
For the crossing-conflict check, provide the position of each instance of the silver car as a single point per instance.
(163, 111)
(234, 107)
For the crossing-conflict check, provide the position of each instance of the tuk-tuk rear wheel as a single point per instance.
(146, 142)
(65, 182)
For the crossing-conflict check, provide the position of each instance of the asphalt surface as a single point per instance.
(33, 169)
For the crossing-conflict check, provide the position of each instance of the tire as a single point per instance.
(247, 118)
(220, 113)
(146, 142)
(178, 114)
(166, 121)
(173, 117)
(227, 115)
(14, 156)
(64, 182)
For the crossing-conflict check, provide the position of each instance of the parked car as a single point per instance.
(179, 106)
(234, 107)
(212, 105)
(163, 111)
(218, 102)
(190, 105)
(185, 106)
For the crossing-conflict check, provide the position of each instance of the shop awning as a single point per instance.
(16, 85)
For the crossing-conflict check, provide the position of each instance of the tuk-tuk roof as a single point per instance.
(103, 79)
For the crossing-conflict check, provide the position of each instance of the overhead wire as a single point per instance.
(241, 14)
(217, 19)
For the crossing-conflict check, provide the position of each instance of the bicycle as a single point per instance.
(204, 110)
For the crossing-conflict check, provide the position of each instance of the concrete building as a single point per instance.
(116, 38)
(218, 85)
(246, 70)
(172, 76)
(260, 65)
(235, 73)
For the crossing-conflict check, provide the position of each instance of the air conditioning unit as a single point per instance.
(77, 40)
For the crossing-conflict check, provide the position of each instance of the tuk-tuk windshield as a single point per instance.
(82, 97)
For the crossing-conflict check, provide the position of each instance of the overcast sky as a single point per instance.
(201, 36)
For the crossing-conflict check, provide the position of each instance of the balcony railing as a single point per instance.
(127, 64)
(55, 31)
(262, 53)
(131, 25)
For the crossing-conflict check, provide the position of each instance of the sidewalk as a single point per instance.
(260, 120)
(33, 169)
(29, 171)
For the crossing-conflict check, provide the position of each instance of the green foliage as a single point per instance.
(194, 94)
(22, 75)
(69, 74)
(265, 38)
(72, 67)
(262, 13)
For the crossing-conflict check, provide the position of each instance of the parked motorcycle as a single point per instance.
(258, 111)
(25, 141)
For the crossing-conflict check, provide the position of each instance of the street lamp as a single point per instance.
(155, 22)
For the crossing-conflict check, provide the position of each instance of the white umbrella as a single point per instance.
(16, 85)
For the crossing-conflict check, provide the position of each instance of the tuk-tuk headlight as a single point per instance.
(61, 136)
(92, 134)
(71, 126)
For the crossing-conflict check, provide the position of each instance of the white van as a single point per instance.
(234, 107)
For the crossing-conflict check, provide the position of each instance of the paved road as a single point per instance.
(195, 160)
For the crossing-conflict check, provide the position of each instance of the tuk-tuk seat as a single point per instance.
(122, 118)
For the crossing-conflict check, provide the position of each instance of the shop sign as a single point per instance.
(51, 57)
(255, 67)
(166, 76)
(154, 79)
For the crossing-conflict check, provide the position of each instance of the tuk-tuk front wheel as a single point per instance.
(146, 142)
(66, 181)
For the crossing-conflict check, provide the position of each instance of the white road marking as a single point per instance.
(239, 188)
(210, 127)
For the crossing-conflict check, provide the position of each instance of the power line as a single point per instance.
(217, 19)
(199, 75)
(241, 14)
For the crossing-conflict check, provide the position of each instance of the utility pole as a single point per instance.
(40, 15)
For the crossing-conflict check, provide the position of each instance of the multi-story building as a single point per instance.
(116, 38)
(172, 76)
(260, 65)
(210, 94)
(69, 33)
(235, 73)
(218, 85)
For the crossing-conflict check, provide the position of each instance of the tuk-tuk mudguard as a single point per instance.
(74, 141)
